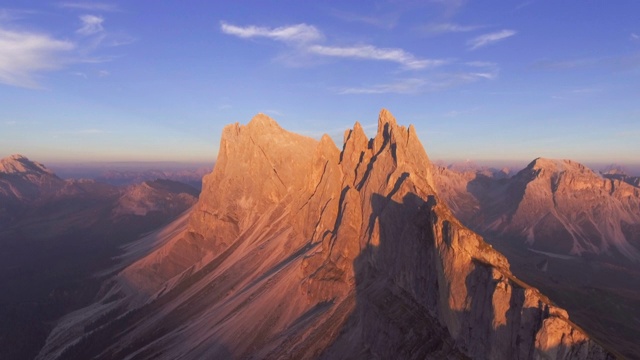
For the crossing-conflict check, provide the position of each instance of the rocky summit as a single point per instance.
(298, 249)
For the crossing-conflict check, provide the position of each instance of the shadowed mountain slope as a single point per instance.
(55, 234)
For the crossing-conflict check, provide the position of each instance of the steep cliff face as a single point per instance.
(297, 249)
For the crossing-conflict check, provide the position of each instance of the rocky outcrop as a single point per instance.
(297, 249)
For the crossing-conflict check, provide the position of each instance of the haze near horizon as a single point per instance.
(119, 81)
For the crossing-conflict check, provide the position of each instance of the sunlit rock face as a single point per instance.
(556, 206)
(298, 249)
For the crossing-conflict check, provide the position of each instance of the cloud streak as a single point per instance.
(89, 6)
(437, 82)
(369, 52)
(301, 33)
(406, 86)
(490, 38)
(442, 28)
(91, 24)
(24, 54)
(386, 21)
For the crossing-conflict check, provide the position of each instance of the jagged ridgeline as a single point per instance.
(298, 249)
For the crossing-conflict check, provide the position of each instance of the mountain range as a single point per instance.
(557, 206)
(56, 235)
(298, 249)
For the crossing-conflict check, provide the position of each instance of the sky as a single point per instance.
(480, 80)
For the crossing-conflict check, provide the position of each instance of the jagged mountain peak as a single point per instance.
(19, 164)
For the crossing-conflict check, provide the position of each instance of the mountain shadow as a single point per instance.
(398, 315)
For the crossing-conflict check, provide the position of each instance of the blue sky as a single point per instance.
(480, 80)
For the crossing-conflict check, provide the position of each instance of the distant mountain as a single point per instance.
(471, 167)
(617, 172)
(557, 206)
(297, 249)
(55, 234)
(164, 196)
(128, 177)
(22, 180)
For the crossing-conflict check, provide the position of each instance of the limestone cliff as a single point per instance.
(297, 249)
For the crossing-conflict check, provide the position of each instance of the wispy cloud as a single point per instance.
(441, 28)
(90, 6)
(103, 73)
(490, 38)
(25, 54)
(10, 122)
(14, 14)
(301, 33)
(586, 90)
(565, 64)
(456, 113)
(94, 35)
(635, 36)
(79, 74)
(405, 86)
(450, 6)
(626, 62)
(485, 64)
(373, 53)
(305, 39)
(523, 5)
(91, 24)
(437, 82)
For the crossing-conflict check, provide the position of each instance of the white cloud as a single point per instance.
(10, 122)
(103, 73)
(635, 36)
(89, 6)
(486, 39)
(23, 54)
(91, 24)
(373, 53)
(300, 33)
(305, 38)
(442, 28)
